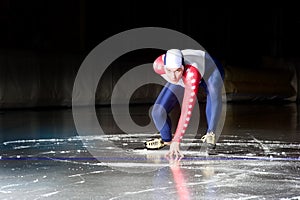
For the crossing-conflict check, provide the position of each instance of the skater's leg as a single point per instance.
(213, 87)
(214, 100)
(165, 102)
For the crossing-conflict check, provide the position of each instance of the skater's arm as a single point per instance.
(158, 65)
(191, 80)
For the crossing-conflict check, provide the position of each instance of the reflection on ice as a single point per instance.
(102, 167)
(128, 148)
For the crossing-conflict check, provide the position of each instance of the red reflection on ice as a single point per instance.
(179, 178)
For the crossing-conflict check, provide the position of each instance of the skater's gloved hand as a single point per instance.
(174, 152)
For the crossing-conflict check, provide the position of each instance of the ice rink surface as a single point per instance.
(43, 157)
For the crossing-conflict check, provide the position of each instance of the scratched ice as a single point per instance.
(252, 163)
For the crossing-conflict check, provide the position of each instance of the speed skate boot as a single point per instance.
(210, 139)
(154, 144)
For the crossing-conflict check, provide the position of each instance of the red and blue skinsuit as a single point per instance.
(197, 64)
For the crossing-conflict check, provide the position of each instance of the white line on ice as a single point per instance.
(264, 147)
(49, 194)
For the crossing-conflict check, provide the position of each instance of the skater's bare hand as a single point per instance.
(174, 152)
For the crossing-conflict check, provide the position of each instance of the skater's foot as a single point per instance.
(209, 139)
(155, 144)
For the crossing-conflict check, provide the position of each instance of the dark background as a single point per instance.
(79, 25)
(238, 36)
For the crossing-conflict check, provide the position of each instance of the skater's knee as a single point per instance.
(158, 112)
